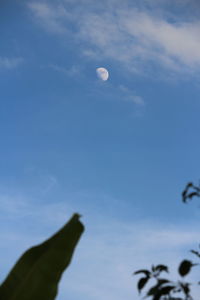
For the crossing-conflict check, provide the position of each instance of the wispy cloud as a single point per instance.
(131, 96)
(72, 71)
(49, 18)
(10, 63)
(136, 36)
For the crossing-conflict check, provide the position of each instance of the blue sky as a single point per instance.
(119, 152)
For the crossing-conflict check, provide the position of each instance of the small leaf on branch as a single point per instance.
(154, 289)
(185, 287)
(146, 272)
(163, 291)
(142, 282)
(161, 268)
(195, 252)
(185, 267)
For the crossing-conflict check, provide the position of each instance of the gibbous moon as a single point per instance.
(102, 73)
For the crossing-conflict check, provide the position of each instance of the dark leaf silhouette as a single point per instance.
(163, 291)
(153, 290)
(185, 267)
(190, 191)
(161, 268)
(156, 288)
(185, 288)
(163, 281)
(192, 195)
(37, 273)
(153, 268)
(146, 272)
(142, 282)
(196, 253)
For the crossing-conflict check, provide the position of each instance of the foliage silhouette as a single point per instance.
(37, 273)
(190, 191)
(163, 288)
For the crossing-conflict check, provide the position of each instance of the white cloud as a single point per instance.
(10, 63)
(174, 41)
(48, 17)
(130, 95)
(135, 37)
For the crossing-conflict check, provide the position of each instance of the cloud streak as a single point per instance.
(131, 96)
(10, 63)
(74, 70)
(49, 18)
(133, 36)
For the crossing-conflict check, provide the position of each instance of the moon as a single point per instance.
(102, 73)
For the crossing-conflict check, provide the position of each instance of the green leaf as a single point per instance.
(37, 273)
(185, 267)
(142, 282)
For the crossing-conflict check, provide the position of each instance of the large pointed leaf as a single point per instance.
(37, 273)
